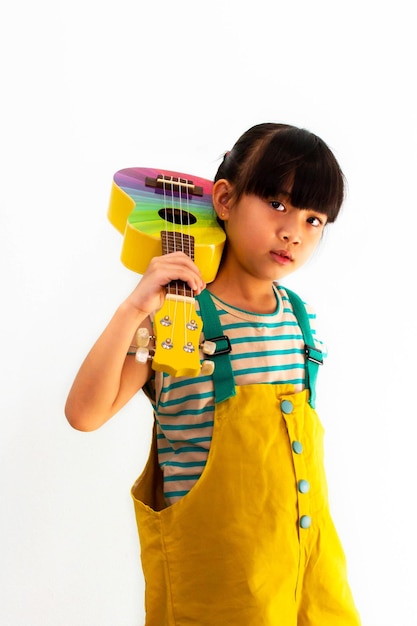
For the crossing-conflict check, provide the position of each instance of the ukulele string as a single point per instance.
(174, 242)
(183, 217)
(188, 309)
(169, 229)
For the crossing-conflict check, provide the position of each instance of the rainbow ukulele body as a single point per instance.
(145, 202)
(158, 212)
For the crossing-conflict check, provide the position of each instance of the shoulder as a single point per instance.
(301, 309)
(290, 299)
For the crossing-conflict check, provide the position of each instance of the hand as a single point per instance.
(150, 292)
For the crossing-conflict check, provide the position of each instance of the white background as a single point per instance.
(90, 88)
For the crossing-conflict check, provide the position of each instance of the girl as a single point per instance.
(232, 506)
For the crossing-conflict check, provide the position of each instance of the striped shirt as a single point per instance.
(266, 348)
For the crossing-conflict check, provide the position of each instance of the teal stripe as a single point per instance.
(188, 382)
(195, 412)
(165, 450)
(260, 325)
(168, 479)
(194, 396)
(192, 440)
(266, 339)
(182, 450)
(186, 426)
(288, 309)
(184, 464)
(185, 449)
(173, 494)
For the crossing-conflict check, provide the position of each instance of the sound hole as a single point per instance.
(177, 216)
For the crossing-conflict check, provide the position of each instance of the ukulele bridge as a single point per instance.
(174, 184)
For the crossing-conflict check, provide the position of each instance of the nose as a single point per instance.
(289, 231)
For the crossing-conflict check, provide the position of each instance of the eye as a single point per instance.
(315, 221)
(278, 206)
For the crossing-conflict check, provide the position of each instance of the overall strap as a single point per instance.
(223, 379)
(314, 356)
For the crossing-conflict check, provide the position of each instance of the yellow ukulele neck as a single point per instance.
(177, 326)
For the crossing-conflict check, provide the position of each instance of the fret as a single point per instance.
(179, 288)
(177, 242)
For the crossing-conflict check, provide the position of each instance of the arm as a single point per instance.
(108, 378)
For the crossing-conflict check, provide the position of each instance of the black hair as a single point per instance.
(273, 158)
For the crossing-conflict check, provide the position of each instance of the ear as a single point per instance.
(222, 198)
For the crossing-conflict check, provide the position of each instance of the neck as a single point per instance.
(255, 296)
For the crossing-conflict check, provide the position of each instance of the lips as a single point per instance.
(282, 256)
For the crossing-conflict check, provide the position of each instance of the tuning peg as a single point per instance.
(142, 337)
(207, 368)
(209, 347)
(142, 355)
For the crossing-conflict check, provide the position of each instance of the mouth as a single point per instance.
(282, 257)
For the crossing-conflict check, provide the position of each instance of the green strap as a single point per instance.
(223, 379)
(314, 356)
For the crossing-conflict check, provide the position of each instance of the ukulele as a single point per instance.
(158, 212)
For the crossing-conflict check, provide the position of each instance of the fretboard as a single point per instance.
(173, 241)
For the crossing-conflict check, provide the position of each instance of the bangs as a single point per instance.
(298, 163)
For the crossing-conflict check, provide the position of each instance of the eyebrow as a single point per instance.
(283, 192)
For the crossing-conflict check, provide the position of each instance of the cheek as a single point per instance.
(310, 241)
(242, 231)
(314, 244)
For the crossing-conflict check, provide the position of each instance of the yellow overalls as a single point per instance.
(252, 543)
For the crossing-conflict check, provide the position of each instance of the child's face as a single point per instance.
(271, 238)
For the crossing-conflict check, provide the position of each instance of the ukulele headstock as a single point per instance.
(177, 330)
(175, 347)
